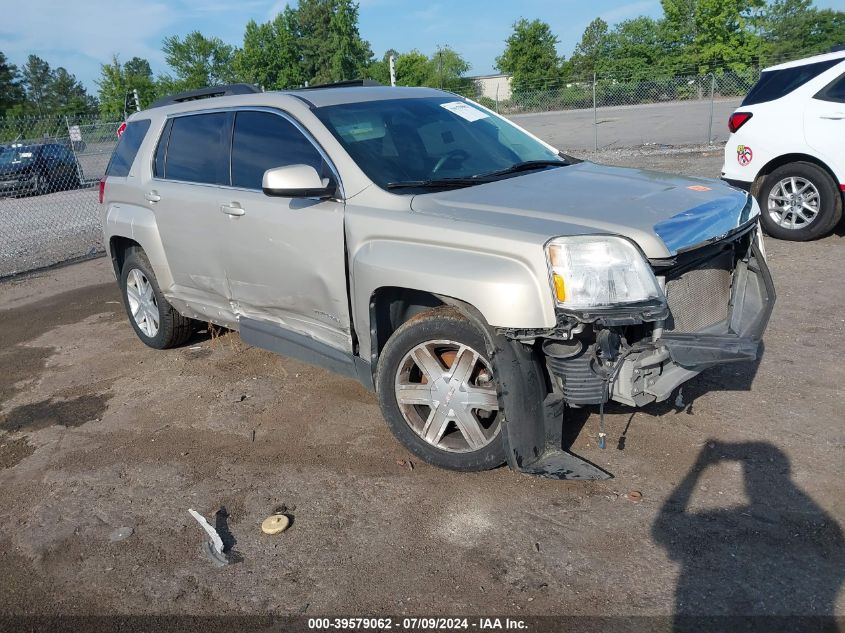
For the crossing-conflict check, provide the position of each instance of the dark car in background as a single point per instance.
(37, 168)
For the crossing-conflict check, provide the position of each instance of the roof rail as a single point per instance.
(347, 83)
(206, 93)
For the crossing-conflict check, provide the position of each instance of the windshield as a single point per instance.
(407, 141)
(16, 155)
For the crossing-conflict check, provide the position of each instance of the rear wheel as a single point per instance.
(438, 392)
(154, 320)
(800, 202)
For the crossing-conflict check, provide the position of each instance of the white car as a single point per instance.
(787, 146)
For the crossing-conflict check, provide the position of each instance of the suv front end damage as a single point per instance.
(715, 302)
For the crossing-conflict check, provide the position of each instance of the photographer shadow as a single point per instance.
(774, 563)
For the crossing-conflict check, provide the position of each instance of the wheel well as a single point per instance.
(785, 160)
(390, 307)
(118, 246)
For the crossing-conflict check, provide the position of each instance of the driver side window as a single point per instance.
(262, 141)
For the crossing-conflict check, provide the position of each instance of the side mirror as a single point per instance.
(296, 181)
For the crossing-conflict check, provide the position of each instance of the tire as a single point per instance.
(443, 336)
(42, 185)
(820, 200)
(172, 329)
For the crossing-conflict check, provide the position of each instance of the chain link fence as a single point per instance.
(49, 173)
(607, 112)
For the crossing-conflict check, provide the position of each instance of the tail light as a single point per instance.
(102, 188)
(737, 120)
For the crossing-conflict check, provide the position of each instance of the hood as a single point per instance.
(662, 213)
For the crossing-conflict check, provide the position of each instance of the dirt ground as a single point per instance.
(741, 477)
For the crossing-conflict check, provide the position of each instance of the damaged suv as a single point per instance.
(473, 276)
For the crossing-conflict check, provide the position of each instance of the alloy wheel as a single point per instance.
(142, 302)
(447, 395)
(794, 203)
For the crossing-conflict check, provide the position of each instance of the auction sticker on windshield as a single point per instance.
(464, 110)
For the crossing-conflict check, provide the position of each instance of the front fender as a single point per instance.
(506, 291)
(139, 225)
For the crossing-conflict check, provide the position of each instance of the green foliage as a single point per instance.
(794, 27)
(197, 61)
(116, 83)
(530, 56)
(50, 91)
(270, 55)
(331, 46)
(11, 90)
(591, 50)
(633, 49)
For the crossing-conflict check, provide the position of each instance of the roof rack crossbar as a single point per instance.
(206, 93)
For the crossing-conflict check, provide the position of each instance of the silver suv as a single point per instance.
(473, 276)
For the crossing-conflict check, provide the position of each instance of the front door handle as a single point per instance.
(836, 116)
(152, 196)
(233, 208)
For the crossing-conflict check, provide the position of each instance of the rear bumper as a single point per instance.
(739, 184)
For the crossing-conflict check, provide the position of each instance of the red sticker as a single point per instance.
(744, 155)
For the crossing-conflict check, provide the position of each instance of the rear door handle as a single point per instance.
(233, 208)
(152, 196)
(836, 116)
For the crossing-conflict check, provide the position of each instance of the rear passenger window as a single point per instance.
(263, 140)
(834, 91)
(198, 149)
(127, 148)
(774, 84)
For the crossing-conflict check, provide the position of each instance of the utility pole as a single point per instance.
(440, 65)
(137, 100)
(392, 63)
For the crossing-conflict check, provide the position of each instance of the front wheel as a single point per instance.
(438, 392)
(154, 320)
(799, 202)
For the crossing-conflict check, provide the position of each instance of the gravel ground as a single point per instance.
(741, 478)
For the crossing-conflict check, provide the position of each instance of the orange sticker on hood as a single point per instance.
(699, 188)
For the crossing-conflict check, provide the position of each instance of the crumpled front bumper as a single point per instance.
(676, 357)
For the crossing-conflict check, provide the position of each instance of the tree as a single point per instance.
(117, 82)
(727, 34)
(270, 56)
(712, 34)
(139, 76)
(331, 45)
(794, 27)
(36, 75)
(447, 68)
(11, 91)
(65, 95)
(590, 50)
(197, 61)
(530, 56)
(634, 49)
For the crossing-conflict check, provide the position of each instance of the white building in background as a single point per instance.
(495, 87)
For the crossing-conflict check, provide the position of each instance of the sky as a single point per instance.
(82, 34)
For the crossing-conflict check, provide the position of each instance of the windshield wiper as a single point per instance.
(434, 183)
(525, 166)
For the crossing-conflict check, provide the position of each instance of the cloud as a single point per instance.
(96, 29)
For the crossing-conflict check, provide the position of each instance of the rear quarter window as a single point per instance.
(774, 84)
(127, 148)
(834, 91)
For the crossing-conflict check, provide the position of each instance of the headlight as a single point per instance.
(592, 271)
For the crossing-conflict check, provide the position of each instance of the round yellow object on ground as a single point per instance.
(275, 523)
